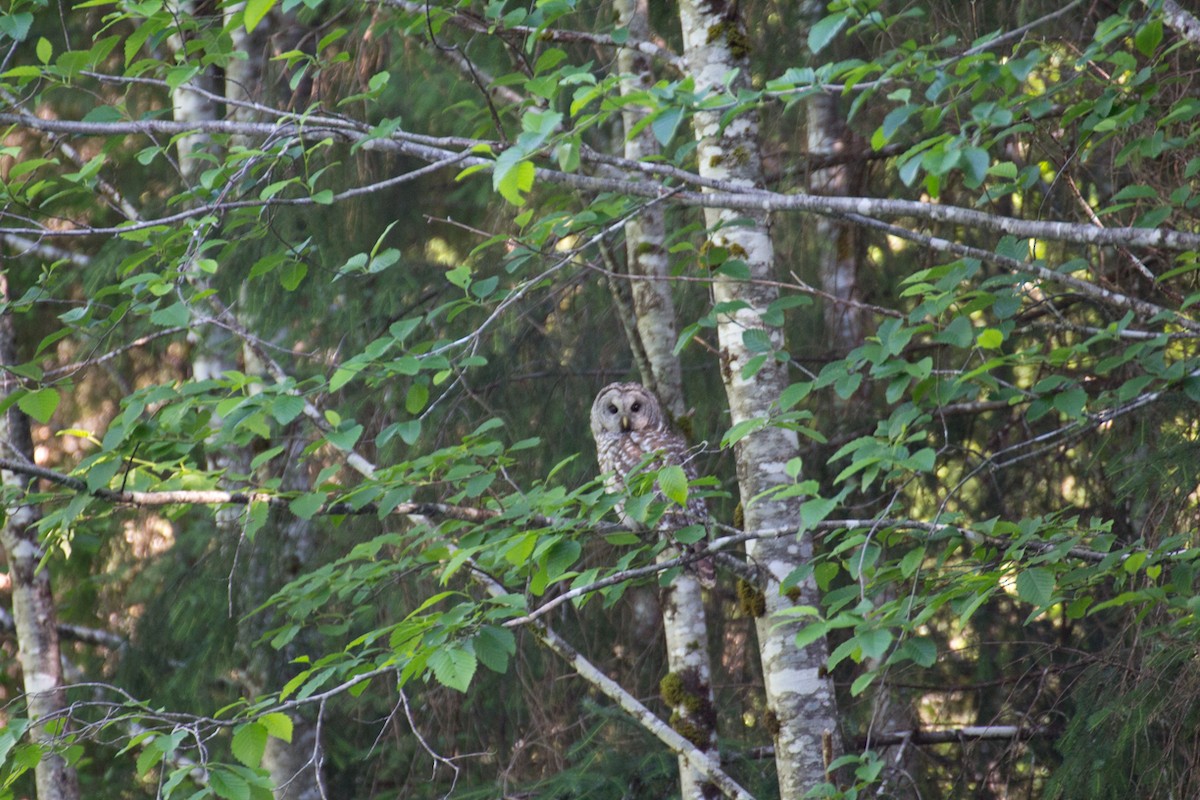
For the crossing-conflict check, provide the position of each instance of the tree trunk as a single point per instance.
(800, 696)
(33, 602)
(192, 100)
(645, 234)
(294, 772)
(834, 243)
(688, 686)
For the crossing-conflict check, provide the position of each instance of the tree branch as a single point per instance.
(733, 538)
(747, 198)
(1178, 19)
(474, 24)
(78, 633)
(696, 758)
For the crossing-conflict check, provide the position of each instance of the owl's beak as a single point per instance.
(626, 427)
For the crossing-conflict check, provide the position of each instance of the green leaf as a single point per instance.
(148, 759)
(1071, 402)
(418, 396)
(666, 123)
(16, 26)
(756, 340)
(345, 438)
(920, 649)
(874, 642)
(228, 785)
(173, 316)
(460, 276)
(894, 120)
(815, 510)
(256, 517)
(513, 176)
(278, 725)
(99, 475)
(990, 339)
(255, 11)
(691, 534)
(40, 405)
(485, 287)
(291, 274)
(249, 743)
(561, 556)
(824, 573)
(1134, 562)
(912, 561)
(673, 482)
(823, 32)
(862, 682)
(975, 165)
(493, 646)
(286, 407)
(1148, 37)
(1035, 585)
(743, 429)
(811, 633)
(453, 665)
(307, 504)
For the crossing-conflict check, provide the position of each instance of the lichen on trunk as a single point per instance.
(799, 694)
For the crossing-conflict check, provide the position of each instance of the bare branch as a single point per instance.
(77, 633)
(747, 198)
(695, 757)
(475, 24)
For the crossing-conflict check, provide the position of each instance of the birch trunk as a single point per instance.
(193, 100)
(34, 614)
(688, 686)
(645, 234)
(799, 695)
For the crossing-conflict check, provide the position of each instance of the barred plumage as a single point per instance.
(628, 425)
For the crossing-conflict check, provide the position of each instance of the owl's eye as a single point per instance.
(612, 409)
(636, 407)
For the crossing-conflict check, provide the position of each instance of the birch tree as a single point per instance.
(688, 685)
(799, 692)
(377, 310)
(33, 609)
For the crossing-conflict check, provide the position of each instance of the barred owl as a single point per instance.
(628, 425)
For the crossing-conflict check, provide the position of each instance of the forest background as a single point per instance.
(305, 303)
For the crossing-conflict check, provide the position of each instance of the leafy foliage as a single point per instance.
(1000, 474)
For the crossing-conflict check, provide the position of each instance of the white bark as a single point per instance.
(1179, 19)
(192, 101)
(645, 234)
(34, 615)
(688, 686)
(799, 696)
(245, 78)
(846, 323)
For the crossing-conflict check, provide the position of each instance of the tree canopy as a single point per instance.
(306, 301)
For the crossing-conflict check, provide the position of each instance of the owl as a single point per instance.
(628, 425)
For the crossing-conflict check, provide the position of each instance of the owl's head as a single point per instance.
(625, 407)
